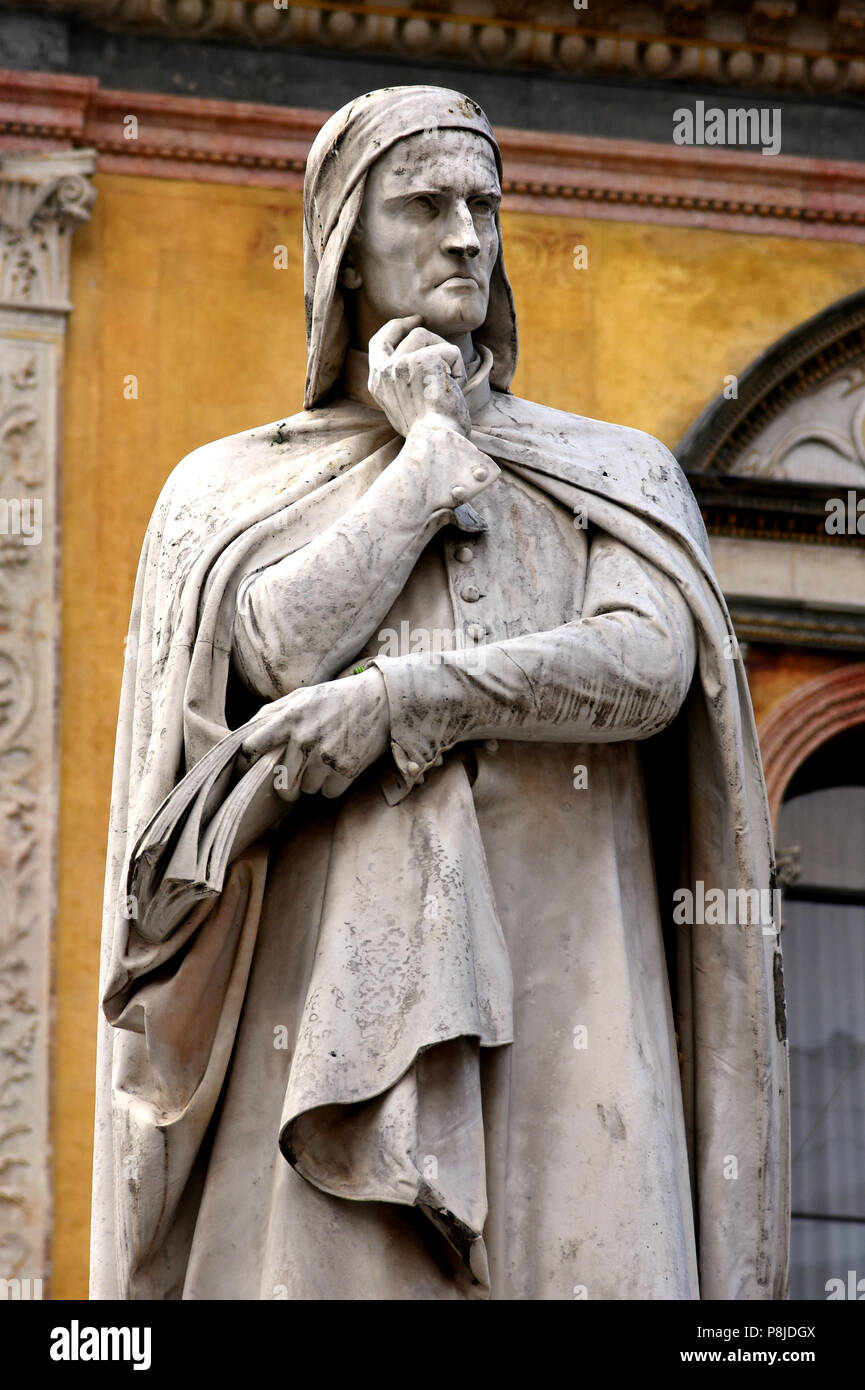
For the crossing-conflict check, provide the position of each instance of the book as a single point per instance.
(206, 822)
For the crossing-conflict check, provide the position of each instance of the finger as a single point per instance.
(314, 775)
(243, 762)
(428, 358)
(260, 740)
(384, 343)
(269, 727)
(420, 338)
(335, 784)
(288, 772)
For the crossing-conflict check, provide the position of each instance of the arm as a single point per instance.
(621, 671)
(303, 619)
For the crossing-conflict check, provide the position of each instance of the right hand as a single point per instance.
(417, 377)
(330, 733)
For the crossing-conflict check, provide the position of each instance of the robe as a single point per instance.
(422, 1041)
(441, 1036)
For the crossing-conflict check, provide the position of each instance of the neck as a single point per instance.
(464, 342)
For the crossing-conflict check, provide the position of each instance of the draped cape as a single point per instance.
(178, 940)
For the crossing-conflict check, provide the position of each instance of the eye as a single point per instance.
(487, 205)
(423, 202)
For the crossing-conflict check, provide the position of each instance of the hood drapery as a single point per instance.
(336, 169)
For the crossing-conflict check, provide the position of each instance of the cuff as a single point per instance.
(454, 470)
(426, 716)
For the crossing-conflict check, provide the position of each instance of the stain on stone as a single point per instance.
(780, 1006)
(613, 1122)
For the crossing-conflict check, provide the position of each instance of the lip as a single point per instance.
(459, 282)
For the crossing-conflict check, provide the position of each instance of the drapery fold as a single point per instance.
(727, 1019)
(188, 861)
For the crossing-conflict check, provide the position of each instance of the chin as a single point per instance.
(457, 319)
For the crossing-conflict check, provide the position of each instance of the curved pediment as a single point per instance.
(800, 412)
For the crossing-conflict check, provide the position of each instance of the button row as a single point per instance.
(459, 494)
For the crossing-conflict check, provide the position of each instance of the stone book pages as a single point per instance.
(184, 852)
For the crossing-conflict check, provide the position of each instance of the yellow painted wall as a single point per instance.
(174, 284)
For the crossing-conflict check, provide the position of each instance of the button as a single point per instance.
(476, 632)
(412, 769)
(492, 745)
(464, 554)
(458, 494)
(480, 474)
(470, 593)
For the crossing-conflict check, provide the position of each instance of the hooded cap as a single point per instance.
(342, 152)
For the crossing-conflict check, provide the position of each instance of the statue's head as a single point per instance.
(401, 202)
(427, 237)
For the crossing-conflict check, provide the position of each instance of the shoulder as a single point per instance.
(214, 465)
(581, 431)
(626, 464)
(240, 468)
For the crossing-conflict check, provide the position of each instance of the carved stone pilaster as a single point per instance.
(43, 197)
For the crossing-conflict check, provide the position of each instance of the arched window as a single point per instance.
(820, 831)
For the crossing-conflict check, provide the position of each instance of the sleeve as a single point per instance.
(621, 671)
(301, 620)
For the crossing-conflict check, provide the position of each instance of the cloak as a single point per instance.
(191, 827)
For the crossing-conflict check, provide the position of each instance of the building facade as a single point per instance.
(685, 232)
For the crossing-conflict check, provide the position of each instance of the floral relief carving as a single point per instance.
(42, 199)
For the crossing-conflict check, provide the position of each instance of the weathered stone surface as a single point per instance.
(428, 689)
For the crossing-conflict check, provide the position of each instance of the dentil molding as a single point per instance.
(774, 45)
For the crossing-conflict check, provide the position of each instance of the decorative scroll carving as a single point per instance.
(42, 199)
(819, 437)
(26, 812)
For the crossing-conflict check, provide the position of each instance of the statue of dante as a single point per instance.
(432, 705)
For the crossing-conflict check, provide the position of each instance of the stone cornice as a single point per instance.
(772, 510)
(771, 45)
(245, 143)
(773, 623)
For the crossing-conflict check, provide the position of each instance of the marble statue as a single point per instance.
(432, 704)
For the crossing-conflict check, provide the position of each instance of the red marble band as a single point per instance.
(809, 716)
(636, 181)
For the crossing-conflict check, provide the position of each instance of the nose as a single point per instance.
(461, 239)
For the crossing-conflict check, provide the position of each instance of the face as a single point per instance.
(426, 241)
